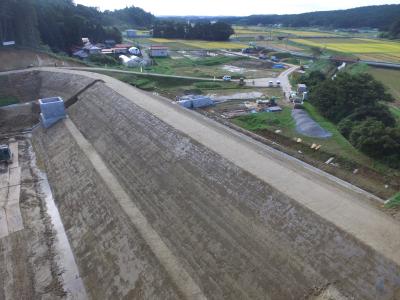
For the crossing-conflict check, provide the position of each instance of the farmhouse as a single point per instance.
(158, 51)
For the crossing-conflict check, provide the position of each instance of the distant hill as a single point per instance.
(378, 16)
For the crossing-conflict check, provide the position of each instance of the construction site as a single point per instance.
(132, 196)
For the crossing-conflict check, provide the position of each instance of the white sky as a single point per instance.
(231, 7)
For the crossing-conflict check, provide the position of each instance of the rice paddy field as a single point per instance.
(367, 49)
(390, 78)
(240, 30)
(196, 44)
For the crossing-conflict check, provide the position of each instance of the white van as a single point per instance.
(270, 83)
(227, 78)
(278, 83)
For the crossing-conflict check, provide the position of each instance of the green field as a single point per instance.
(390, 78)
(187, 64)
(363, 48)
(266, 120)
(255, 30)
(197, 44)
(283, 121)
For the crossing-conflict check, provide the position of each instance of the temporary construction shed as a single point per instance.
(132, 62)
(51, 111)
(158, 51)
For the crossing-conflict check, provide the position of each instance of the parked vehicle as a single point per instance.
(278, 83)
(5, 154)
(270, 83)
(227, 78)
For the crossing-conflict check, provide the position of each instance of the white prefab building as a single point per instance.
(158, 51)
(131, 33)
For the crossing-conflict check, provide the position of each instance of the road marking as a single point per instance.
(181, 278)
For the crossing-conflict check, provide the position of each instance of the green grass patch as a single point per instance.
(390, 78)
(346, 148)
(358, 68)
(208, 85)
(323, 65)
(396, 112)
(394, 201)
(266, 120)
(8, 100)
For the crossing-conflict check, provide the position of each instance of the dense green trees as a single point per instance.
(61, 24)
(129, 16)
(336, 99)
(18, 22)
(218, 31)
(355, 103)
(377, 16)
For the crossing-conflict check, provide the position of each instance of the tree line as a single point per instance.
(61, 24)
(356, 103)
(218, 31)
(377, 16)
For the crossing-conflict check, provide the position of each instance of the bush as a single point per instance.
(103, 59)
(281, 55)
(375, 139)
(339, 98)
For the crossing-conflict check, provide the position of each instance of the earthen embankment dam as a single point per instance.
(159, 202)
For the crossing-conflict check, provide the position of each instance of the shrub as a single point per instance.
(375, 139)
(103, 59)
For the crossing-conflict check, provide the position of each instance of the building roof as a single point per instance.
(158, 47)
(122, 46)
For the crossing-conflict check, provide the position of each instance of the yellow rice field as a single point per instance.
(354, 45)
(304, 33)
(201, 44)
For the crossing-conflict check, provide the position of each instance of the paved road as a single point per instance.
(143, 73)
(283, 78)
(334, 200)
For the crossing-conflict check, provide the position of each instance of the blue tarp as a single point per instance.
(278, 66)
(195, 101)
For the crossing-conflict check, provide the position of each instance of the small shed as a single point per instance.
(158, 51)
(131, 33)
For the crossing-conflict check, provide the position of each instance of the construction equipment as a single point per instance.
(5, 154)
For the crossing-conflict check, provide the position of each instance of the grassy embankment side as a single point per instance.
(8, 100)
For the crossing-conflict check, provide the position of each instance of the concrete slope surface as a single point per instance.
(231, 218)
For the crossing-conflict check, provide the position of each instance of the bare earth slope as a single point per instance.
(242, 221)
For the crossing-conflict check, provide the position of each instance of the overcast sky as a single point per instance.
(231, 7)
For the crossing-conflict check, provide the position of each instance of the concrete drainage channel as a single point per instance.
(153, 207)
(72, 282)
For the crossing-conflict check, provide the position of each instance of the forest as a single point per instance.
(377, 16)
(61, 24)
(218, 31)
